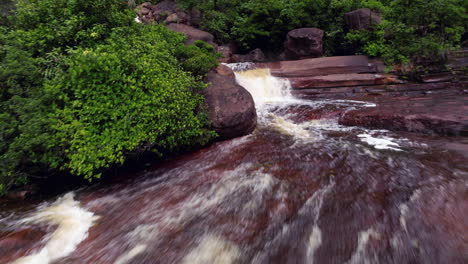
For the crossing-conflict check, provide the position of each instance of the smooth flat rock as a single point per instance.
(321, 66)
(407, 89)
(430, 114)
(339, 80)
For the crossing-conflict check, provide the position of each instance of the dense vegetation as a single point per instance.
(410, 27)
(83, 86)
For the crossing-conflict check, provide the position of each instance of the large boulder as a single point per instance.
(192, 34)
(362, 18)
(304, 43)
(231, 108)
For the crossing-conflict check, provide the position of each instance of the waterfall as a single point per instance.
(263, 87)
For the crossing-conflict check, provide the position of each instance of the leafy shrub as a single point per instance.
(82, 87)
(198, 58)
(125, 95)
(419, 27)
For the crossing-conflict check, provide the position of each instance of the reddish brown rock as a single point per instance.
(231, 108)
(338, 80)
(192, 33)
(430, 114)
(362, 18)
(19, 242)
(226, 52)
(304, 43)
(321, 66)
(407, 89)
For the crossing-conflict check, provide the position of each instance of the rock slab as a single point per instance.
(321, 66)
(341, 80)
(430, 114)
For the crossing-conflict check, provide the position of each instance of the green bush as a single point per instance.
(125, 95)
(198, 58)
(425, 28)
(83, 86)
(420, 31)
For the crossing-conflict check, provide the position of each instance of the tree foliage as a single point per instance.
(410, 27)
(83, 86)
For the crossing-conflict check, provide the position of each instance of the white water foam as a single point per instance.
(213, 249)
(315, 241)
(289, 128)
(127, 257)
(240, 180)
(361, 255)
(73, 225)
(381, 142)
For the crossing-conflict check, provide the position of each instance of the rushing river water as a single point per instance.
(300, 189)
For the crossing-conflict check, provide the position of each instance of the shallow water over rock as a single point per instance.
(300, 189)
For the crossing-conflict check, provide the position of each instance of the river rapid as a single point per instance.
(300, 189)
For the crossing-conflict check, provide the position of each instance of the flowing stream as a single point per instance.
(300, 189)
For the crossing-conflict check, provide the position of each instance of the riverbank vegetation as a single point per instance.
(422, 28)
(83, 86)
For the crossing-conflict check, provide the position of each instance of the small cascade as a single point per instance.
(263, 87)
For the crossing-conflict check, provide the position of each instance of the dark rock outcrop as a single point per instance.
(165, 7)
(304, 43)
(231, 108)
(226, 52)
(255, 55)
(192, 34)
(362, 18)
(195, 17)
(164, 12)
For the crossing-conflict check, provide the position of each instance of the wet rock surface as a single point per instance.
(17, 243)
(231, 108)
(317, 194)
(429, 114)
